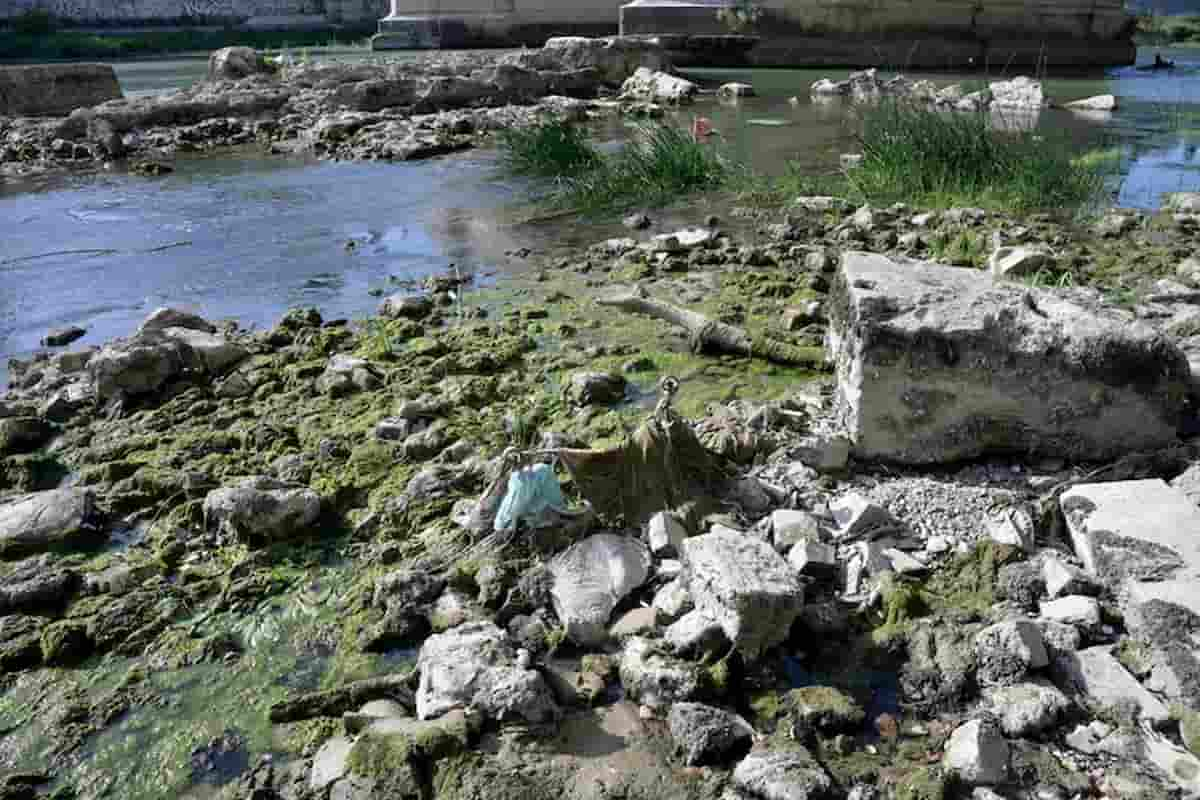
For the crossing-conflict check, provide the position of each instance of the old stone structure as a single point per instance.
(281, 13)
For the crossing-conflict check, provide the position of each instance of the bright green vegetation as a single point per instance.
(36, 36)
(924, 157)
(549, 151)
(659, 164)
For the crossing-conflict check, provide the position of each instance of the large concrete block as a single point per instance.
(55, 89)
(936, 364)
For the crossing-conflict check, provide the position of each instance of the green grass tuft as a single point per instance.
(658, 164)
(929, 158)
(550, 150)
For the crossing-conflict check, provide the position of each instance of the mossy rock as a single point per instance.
(821, 709)
(389, 750)
(1189, 727)
(66, 643)
(924, 783)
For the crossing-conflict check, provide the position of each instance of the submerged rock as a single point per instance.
(937, 364)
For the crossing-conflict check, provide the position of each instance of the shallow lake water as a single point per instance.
(246, 236)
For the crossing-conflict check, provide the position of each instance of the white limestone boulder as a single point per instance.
(744, 586)
(590, 578)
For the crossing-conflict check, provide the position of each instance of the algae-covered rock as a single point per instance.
(1027, 708)
(653, 678)
(20, 642)
(782, 773)
(821, 709)
(708, 735)
(262, 509)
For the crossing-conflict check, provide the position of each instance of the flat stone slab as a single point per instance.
(937, 364)
(1097, 674)
(1144, 534)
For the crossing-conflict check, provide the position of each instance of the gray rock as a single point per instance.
(935, 364)
(49, 89)
(614, 58)
(1116, 224)
(1025, 709)
(696, 636)
(137, 366)
(235, 63)
(61, 337)
(1006, 651)
(782, 773)
(58, 518)
(591, 578)
(162, 318)
(636, 222)
(23, 435)
(1019, 94)
(653, 678)
(1139, 534)
(1063, 579)
(1014, 526)
(814, 560)
(821, 709)
(791, 526)
(1185, 202)
(658, 87)
(37, 586)
(407, 306)
(474, 666)
(640, 621)
(1015, 262)
(1188, 271)
(1082, 612)
(599, 388)
(735, 89)
(345, 375)
(1096, 675)
(857, 517)
(977, 753)
(707, 735)
(329, 764)
(262, 508)
(745, 586)
(207, 352)
(1100, 102)
(672, 601)
(665, 533)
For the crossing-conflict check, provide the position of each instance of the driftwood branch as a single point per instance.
(335, 702)
(711, 336)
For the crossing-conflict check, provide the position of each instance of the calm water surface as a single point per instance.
(244, 236)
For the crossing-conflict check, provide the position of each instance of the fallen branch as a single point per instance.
(710, 336)
(91, 251)
(335, 702)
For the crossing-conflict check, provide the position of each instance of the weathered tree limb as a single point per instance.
(335, 702)
(709, 335)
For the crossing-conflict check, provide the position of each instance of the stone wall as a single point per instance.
(908, 34)
(134, 11)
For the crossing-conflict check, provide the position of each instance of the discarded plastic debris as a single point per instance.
(532, 492)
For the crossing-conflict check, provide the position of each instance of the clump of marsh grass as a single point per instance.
(659, 163)
(549, 150)
(925, 157)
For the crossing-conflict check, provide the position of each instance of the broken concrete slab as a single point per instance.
(745, 586)
(1144, 534)
(937, 364)
(1097, 675)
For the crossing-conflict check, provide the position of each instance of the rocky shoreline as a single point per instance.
(390, 110)
(539, 547)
